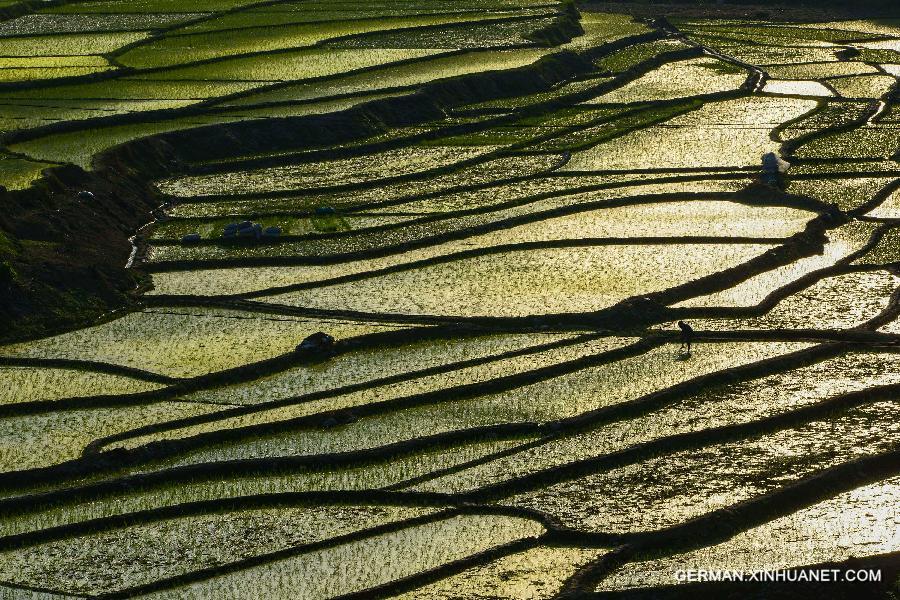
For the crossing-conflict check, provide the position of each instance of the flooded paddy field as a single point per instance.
(407, 322)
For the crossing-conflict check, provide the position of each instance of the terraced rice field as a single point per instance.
(499, 210)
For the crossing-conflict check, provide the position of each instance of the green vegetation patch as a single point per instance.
(602, 28)
(37, 74)
(847, 193)
(68, 44)
(388, 15)
(32, 113)
(869, 142)
(478, 35)
(287, 66)
(299, 110)
(874, 86)
(29, 384)
(609, 130)
(556, 93)
(679, 79)
(833, 114)
(80, 147)
(131, 89)
(18, 173)
(147, 6)
(391, 7)
(624, 59)
(42, 24)
(178, 49)
(50, 67)
(820, 70)
(416, 73)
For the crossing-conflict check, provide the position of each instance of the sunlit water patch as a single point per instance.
(673, 488)
(875, 86)
(400, 198)
(842, 242)
(679, 80)
(877, 27)
(391, 163)
(184, 343)
(141, 554)
(701, 218)
(42, 440)
(873, 142)
(494, 34)
(417, 73)
(359, 367)
(829, 116)
(814, 71)
(633, 378)
(364, 563)
(481, 174)
(797, 88)
(848, 193)
(632, 55)
(622, 185)
(724, 134)
(298, 64)
(532, 574)
(861, 522)
(138, 498)
(764, 56)
(889, 209)
(542, 281)
(839, 302)
(602, 28)
(27, 384)
(346, 401)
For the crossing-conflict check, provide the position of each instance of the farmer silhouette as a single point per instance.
(687, 336)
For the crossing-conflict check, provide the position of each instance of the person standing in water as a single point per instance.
(687, 336)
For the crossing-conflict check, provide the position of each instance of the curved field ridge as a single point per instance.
(498, 211)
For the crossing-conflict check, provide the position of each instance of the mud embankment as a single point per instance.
(63, 250)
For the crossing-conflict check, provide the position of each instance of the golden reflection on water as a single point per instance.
(839, 302)
(720, 134)
(754, 290)
(862, 522)
(677, 80)
(391, 163)
(185, 343)
(889, 209)
(797, 88)
(530, 575)
(663, 489)
(338, 570)
(541, 281)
